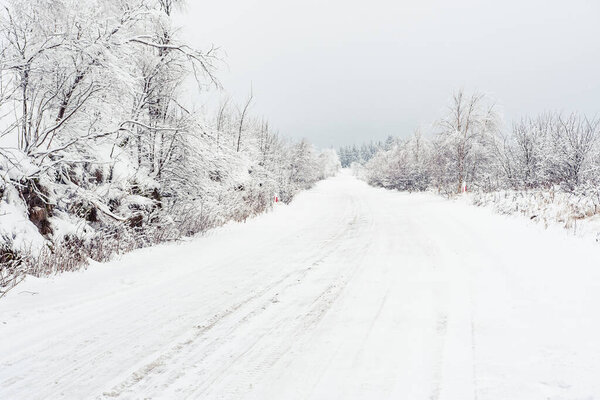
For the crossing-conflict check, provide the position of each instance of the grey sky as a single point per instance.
(342, 71)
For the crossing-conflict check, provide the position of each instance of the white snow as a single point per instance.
(15, 224)
(349, 292)
(553, 209)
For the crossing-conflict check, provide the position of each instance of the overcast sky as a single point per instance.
(343, 71)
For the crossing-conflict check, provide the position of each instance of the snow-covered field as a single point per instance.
(349, 292)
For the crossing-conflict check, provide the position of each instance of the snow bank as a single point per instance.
(579, 213)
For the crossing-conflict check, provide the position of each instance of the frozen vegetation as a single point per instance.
(545, 167)
(99, 154)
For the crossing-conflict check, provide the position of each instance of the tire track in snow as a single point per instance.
(86, 355)
(299, 330)
(263, 300)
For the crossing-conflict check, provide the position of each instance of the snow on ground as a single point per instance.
(350, 292)
(579, 213)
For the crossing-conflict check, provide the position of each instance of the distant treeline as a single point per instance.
(364, 152)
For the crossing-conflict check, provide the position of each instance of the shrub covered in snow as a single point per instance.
(547, 168)
(98, 152)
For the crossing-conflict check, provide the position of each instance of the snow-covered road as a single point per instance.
(349, 292)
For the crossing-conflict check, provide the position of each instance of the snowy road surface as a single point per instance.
(349, 292)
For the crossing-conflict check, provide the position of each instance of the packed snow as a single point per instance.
(349, 292)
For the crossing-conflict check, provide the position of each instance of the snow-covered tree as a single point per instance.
(550, 150)
(100, 150)
(465, 142)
